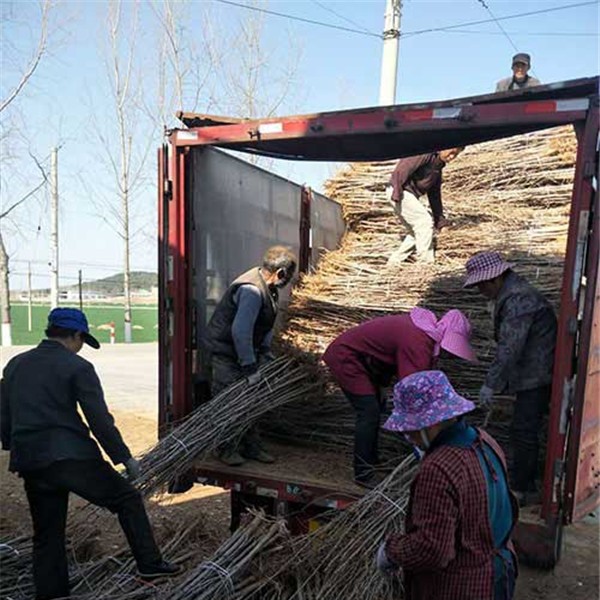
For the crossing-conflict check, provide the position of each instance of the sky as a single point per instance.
(67, 103)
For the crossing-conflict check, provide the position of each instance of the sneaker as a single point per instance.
(161, 569)
(231, 458)
(260, 455)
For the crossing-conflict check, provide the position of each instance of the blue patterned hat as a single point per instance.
(424, 399)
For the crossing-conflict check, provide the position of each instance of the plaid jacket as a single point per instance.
(525, 331)
(447, 550)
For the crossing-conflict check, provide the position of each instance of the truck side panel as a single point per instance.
(239, 210)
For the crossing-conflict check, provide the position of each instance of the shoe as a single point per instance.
(161, 569)
(260, 455)
(231, 458)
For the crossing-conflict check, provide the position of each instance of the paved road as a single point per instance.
(129, 374)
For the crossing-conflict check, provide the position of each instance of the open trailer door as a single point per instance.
(582, 483)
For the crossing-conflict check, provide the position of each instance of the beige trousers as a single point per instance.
(416, 215)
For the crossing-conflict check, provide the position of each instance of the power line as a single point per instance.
(483, 3)
(343, 17)
(300, 19)
(505, 18)
(418, 31)
(527, 33)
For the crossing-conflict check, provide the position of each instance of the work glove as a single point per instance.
(132, 466)
(486, 396)
(382, 561)
(251, 373)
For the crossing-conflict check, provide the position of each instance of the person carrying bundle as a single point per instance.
(414, 178)
(240, 333)
(461, 513)
(51, 448)
(525, 330)
(366, 357)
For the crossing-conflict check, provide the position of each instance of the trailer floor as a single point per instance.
(300, 465)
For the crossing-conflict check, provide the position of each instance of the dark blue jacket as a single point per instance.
(41, 390)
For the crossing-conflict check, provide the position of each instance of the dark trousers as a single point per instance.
(366, 433)
(97, 482)
(225, 372)
(529, 409)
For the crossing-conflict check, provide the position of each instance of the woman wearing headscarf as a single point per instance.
(365, 358)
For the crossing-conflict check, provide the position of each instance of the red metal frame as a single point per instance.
(175, 369)
(562, 384)
(584, 423)
(489, 120)
(304, 256)
(277, 489)
(384, 121)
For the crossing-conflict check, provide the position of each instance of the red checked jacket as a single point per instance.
(447, 550)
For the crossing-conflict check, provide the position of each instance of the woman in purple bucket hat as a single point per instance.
(461, 512)
(525, 330)
(365, 358)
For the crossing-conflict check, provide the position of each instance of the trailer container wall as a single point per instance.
(239, 210)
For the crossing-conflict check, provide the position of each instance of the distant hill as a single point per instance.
(113, 285)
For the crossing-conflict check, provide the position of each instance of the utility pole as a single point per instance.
(80, 292)
(389, 59)
(54, 230)
(29, 324)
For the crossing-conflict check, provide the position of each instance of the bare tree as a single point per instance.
(25, 73)
(124, 149)
(187, 59)
(256, 79)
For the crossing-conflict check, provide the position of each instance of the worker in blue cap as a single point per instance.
(52, 450)
(521, 63)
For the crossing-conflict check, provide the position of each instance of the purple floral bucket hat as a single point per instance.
(424, 399)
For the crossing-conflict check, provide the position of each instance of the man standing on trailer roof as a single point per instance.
(240, 333)
(521, 63)
(525, 332)
(415, 190)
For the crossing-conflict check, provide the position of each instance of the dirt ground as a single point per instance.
(575, 577)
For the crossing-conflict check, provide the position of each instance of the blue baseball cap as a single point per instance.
(73, 318)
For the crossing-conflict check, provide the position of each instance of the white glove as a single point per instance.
(486, 396)
(389, 192)
(132, 466)
(382, 561)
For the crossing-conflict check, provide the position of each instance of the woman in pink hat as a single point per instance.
(461, 513)
(366, 357)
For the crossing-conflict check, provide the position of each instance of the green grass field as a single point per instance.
(145, 317)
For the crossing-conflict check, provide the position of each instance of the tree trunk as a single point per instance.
(126, 268)
(4, 296)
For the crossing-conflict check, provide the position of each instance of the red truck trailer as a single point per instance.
(217, 213)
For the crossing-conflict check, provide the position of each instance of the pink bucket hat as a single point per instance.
(452, 332)
(485, 266)
(424, 399)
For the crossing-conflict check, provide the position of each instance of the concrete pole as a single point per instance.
(389, 59)
(80, 291)
(29, 310)
(54, 229)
